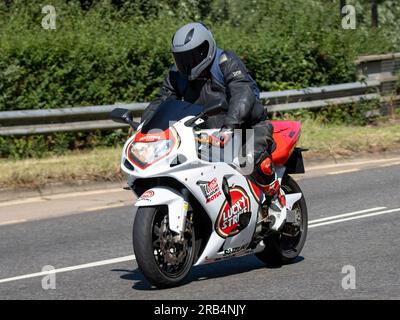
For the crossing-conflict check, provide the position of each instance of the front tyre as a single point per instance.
(284, 247)
(164, 258)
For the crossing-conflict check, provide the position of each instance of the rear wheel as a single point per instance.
(285, 246)
(162, 256)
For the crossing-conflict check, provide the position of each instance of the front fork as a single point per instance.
(185, 194)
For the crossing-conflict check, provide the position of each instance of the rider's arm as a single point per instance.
(167, 91)
(239, 85)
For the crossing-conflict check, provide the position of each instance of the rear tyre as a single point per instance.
(163, 259)
(281, 248)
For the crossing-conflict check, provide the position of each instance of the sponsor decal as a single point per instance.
(210, 189)
(237, 73)
(146, 195)
(228, 217)
(231, 251)
(149, 138)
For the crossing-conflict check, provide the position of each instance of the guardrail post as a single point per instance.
(386, 69)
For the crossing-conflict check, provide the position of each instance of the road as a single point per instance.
(354, 212)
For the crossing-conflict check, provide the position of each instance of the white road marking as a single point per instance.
(327, 166)
(84, 193)
(389, 164)
(22, 201)
(81, 266)
(12, 222)
(345, 215)
(344, 171)
(58, 196)
(132, 257)
(354, 218)
(111, 206)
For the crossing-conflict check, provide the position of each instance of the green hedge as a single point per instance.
(118, 51)
(102, 56)
(357, 114)
(39, 146)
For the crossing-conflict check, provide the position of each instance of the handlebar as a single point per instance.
(208, 138)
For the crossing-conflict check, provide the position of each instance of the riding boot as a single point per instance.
(268, 181)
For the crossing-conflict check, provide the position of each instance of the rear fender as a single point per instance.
(295, 162)
(171, 198)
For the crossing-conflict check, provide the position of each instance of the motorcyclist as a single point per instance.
(202, 73)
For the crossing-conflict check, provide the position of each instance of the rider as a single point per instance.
(201, 73)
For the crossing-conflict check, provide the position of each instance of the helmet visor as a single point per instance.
(187, 60)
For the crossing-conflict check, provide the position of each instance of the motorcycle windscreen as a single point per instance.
(169, 112)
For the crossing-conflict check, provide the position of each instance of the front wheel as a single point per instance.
(164, 258)
(284, 247)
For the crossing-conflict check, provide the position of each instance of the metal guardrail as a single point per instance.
(28, 122)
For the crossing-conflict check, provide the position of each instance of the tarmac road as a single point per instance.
(94, 258)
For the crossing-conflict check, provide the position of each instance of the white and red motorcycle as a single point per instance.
(194, 208)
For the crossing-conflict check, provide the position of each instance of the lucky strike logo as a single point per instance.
(228, 218)
(210, 189)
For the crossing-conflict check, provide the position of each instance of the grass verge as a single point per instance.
(328, 141)
(102, 164)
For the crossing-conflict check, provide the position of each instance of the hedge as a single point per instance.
(104, 52)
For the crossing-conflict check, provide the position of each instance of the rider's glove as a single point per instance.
(220, 138)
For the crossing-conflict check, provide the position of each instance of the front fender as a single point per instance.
(291, 199)
(169, 197)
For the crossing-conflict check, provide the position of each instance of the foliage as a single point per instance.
(39, 146)
(356, 114)
(109, 51)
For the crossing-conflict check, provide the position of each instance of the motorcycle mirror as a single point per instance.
(122, 115)
(210, 109)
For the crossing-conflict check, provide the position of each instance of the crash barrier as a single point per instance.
(378, 80)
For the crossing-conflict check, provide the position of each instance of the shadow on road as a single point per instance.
(216, 270)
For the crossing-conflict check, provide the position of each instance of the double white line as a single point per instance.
(350, 216)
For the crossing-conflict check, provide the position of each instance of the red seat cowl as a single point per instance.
(286, 135)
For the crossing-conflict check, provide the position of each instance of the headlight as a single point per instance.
(148, 148)
(148, 152)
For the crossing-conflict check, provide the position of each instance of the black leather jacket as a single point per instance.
(244, 108)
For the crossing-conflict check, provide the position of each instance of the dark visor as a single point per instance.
(186, 61)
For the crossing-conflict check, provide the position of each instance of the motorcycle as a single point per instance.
(194, 208)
